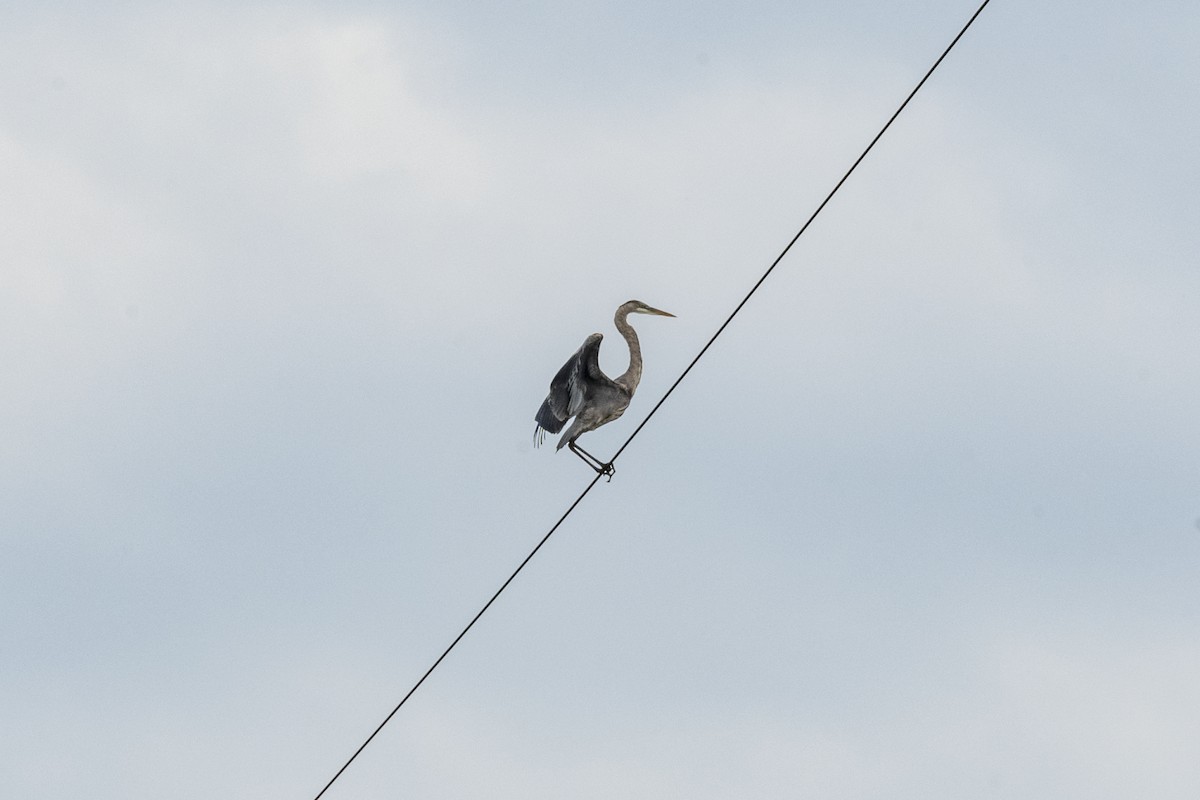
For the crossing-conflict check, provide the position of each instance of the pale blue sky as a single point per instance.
(281, 287)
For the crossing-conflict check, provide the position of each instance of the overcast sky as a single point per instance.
(282, 286)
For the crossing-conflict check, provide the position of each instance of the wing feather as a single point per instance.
(570, 388)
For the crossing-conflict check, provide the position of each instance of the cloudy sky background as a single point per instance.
(281, 287)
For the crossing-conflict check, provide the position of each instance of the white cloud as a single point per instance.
(68, 243)
(1104, 716)
(1069, 716)
(358, 114)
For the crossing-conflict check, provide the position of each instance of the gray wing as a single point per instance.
(570, 388)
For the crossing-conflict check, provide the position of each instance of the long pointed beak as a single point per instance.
(649, 310)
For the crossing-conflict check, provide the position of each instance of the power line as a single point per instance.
(662, 400)
(470, 624)
(804, 227)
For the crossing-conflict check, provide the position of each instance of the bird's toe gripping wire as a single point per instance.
(605, 468)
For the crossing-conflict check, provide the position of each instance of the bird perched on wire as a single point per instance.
(582, 391)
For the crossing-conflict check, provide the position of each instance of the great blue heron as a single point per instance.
(582, 391)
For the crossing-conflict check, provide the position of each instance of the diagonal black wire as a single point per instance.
(824, 202)
(657, 405)
(470, 624)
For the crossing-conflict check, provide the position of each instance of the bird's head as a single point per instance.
(638, 307)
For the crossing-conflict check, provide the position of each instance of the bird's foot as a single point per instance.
(602, 467)
(606, 470)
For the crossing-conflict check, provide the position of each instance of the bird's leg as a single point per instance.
(593, 462)
(590, 459)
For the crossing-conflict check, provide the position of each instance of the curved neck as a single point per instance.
(632, 376)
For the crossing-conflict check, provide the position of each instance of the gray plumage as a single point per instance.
(581, 390)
